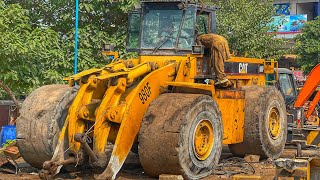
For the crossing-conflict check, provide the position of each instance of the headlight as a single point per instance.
(299, 114)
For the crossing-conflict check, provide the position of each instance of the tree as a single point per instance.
(308, 45)
(37, 39)
(100, 21)
(246, 25)
(27, 55)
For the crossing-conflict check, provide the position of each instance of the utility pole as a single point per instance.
(76, 38)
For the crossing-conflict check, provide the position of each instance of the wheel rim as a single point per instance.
(274, 123)
(203, 139)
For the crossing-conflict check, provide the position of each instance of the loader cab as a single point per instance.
(288, 85)
(168, 27)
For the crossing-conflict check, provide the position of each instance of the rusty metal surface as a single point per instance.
(230, 94)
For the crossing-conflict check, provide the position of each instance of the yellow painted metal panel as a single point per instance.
(231, 105)
(311, 136)
(247, 60)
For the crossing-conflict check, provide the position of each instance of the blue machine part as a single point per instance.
(7, 133)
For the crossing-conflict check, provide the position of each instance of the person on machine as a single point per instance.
(220, 52)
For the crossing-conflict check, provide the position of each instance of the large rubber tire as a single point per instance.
(258, 140)
(43, 114)
(166, 137)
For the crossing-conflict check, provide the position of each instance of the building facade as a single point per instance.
(291, 15)
(296, 7)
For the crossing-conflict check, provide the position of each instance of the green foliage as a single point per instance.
(308, 45)
(245, 24)
(27, 54)
(100, 21)
(37, 39)
(8, 143)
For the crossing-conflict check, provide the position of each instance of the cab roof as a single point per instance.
(284, 71)
(199, 6)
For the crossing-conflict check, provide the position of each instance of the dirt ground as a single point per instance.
(27, 172)
(132, 170)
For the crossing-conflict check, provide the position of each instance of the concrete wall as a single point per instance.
(306, 8)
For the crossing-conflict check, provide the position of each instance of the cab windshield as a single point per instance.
(161, 24)
(286, 83)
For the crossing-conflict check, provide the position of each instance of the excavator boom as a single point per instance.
(313, 104)
(311, 84)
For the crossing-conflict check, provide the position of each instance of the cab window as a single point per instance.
(287, 87)
(202, 24)
(161, 27)
(133, 32)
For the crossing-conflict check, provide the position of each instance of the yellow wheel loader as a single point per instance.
(163, 104)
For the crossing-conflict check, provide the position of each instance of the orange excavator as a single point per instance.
(303, 128)
(308, 89)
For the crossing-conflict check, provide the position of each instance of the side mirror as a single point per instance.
(197, 49)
